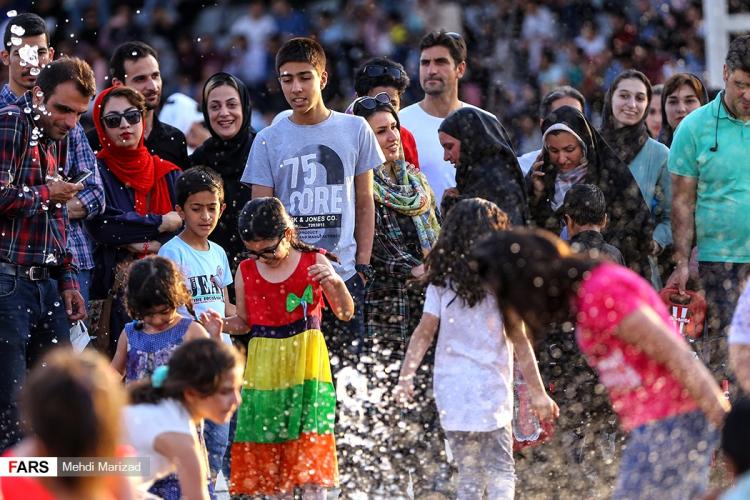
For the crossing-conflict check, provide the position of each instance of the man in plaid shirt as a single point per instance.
(38, 280)
(88, 202)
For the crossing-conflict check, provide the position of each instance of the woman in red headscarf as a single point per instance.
(140, 197)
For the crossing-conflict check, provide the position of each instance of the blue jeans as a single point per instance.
(217, 439)
(33, 319)
(84, 281)
(485, 463)
(667, 459)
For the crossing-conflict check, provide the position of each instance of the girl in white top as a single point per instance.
(202, 380)
(473, 362)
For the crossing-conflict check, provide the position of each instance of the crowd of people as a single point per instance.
(468, 286)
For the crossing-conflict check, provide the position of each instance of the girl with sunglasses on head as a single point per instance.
(406, 228)
(381, 74)
(284, 438)
(139, 190)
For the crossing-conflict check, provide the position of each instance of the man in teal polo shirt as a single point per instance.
(710, 166)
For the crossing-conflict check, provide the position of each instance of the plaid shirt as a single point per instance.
(33, 228)
(80, 159)
(392, 305)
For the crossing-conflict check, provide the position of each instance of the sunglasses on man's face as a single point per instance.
(369, 103)
(113, 119)
(376, 70)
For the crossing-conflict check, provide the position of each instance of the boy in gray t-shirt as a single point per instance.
(319, 164)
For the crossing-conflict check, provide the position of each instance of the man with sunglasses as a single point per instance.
(39, 294)
(442, 63)
(23, 69)
(379, 75)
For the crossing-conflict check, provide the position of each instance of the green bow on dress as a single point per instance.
(292, 301)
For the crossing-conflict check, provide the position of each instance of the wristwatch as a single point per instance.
(366, 270)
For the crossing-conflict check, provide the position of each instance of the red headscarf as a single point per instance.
(136, 168)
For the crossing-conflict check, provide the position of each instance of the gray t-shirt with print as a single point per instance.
(311, 169)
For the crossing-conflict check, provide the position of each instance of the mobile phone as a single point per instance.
(81, 177)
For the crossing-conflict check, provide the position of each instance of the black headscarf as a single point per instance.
(627, 141)
(630, 227)
(487, 167)
(228, 157)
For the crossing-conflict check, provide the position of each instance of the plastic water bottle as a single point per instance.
(526, 427)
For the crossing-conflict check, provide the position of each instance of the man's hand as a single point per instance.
(61, 191)
(170, 222)
(75, 307)
(679, 277)
(76, 210)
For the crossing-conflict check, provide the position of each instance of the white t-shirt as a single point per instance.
(311, 169)
(526, 161)
(144, 423)
(440, 174)
(206, 274)
(739, 332)
(473, 373)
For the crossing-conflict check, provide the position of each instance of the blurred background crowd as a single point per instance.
(518, 49)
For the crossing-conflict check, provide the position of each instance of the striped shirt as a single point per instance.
(80, 159)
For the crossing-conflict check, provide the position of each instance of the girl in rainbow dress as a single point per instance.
(284, 438)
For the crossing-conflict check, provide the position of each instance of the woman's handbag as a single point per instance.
(100, 310)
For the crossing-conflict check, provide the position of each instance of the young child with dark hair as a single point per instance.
(201, 381)
(585, 214)
(473, 375)
(154, 292)
(205, 266)
(284, 438)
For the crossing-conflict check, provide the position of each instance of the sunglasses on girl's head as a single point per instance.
(113, 119)
(376, 70)
(266, 253)
(370, 103)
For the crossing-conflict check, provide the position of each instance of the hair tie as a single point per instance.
(159, 375)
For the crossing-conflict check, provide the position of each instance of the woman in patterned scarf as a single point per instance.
(406, 227)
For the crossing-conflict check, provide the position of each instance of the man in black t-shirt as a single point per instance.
(136, 65)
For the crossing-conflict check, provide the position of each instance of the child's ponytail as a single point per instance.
(197, 365)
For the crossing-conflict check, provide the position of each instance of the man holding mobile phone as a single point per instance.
(24, 56)
(39, 291)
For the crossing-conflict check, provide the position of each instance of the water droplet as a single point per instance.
(12, 13)
(35, 71)
(14, 40)
(33, 143)
(40, 94)
(54, 341)
(56, 304)
(27, 110)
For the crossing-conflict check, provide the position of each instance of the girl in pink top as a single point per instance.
(665, 398)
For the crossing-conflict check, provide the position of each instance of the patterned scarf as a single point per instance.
(410, 196)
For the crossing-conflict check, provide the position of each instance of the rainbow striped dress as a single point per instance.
(285, 422)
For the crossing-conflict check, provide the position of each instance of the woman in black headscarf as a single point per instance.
(624, 128)
(575, 153)
(227, 111)
(486, 165)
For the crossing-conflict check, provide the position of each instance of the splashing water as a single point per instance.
(29, 54)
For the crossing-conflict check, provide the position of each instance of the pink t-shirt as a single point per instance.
(641, 389)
